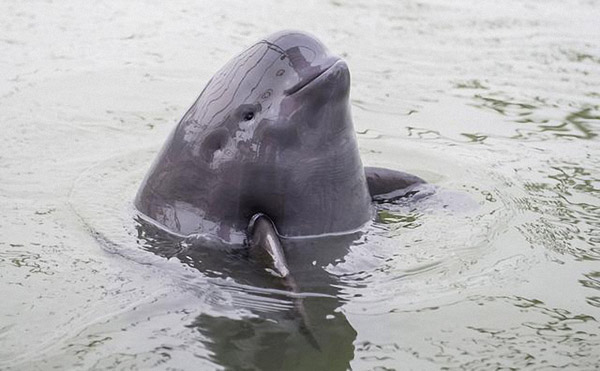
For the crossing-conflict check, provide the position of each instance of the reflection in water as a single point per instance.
(550, 329)
(505, 107)
(580, 121)
(271, 335)
(527, 334)
(592, 281)
(537, 112)
(565, 201)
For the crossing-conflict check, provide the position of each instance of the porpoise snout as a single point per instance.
(307, 56)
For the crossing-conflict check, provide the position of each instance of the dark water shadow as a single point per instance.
(274, 335)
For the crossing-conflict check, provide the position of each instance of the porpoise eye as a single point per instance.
(248, 116)
(247, 112)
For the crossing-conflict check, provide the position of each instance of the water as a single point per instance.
(497, 103)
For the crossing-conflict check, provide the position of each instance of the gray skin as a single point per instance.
(271, 133)
(268, 150)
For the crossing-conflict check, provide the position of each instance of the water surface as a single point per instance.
(495, 103)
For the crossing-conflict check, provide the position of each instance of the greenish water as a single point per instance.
(496, 103)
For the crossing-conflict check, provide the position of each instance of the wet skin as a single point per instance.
(270, 133)
(268, 151)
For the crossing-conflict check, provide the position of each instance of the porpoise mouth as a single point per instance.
(307, 81)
